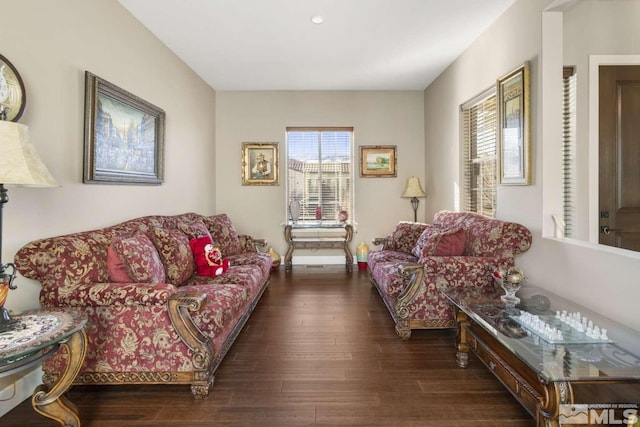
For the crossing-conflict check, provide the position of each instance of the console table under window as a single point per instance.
(318, 235)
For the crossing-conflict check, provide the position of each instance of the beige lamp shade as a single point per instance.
(20, 163)
(413, 188)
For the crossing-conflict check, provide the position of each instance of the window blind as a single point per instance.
(479, 156)
(319, 172)
(569, 149)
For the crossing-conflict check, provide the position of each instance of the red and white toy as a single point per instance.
(208, 258)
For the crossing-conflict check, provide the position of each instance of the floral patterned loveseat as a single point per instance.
(417, 261)
(151, 318)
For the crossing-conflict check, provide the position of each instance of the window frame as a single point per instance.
(329, 208)
(480, 198)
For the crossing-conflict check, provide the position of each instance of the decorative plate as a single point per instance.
(12, 95)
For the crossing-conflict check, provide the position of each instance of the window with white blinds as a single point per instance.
(320, 172)
(569, 149)
(479, 133)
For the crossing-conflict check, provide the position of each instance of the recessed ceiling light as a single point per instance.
(317, 19)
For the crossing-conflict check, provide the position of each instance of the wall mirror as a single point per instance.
(593, 33)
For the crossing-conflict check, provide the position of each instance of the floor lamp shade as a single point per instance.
(412, 191)
(20, 163)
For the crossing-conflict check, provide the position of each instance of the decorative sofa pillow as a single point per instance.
(223, 233)
(435, 241)
(194, 229)
(134, 259)
(404, 236)
(175, 253)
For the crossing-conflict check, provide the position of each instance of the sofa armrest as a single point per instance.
(181, 305)
(415, 273)
(379, 241)
(250, 244)
(106, 294)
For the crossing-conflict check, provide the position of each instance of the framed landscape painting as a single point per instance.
(378, 161)
(123, 136)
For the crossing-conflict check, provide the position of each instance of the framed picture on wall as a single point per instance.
(513, 127)
(378, 161)
(123, 136)
(260, 163)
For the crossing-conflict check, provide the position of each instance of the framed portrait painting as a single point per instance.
(378, 161)
(123, 136)
(513, 127)
(260, 163)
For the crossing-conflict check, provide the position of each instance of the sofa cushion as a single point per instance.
(404, 236)
(134, 259)
(175, 253)
(436, 241)
(194, 229)
(223, 234)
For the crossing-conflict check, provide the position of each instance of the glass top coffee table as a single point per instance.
(546, 348)
(36, 335)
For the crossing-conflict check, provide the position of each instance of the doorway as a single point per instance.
(619, 156)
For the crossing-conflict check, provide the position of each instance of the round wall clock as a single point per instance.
(12, 95)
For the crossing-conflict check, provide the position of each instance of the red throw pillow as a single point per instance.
(439, 242)
(117, 271)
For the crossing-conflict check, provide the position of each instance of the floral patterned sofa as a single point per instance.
(417, 261)
(151, 318)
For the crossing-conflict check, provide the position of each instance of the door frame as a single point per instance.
(595, 61)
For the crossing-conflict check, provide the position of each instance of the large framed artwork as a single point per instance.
(123, 136)
(260, 163)
(378, 161)
(514, 127)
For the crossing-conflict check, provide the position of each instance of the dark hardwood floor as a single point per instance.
(319, 350)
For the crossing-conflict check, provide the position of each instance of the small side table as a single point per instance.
(318, 242)
(36, 336)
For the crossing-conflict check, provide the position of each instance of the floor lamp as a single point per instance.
(412, 191)
(20, 164)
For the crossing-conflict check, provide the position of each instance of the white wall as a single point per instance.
(52, 44)
(597, 278)
(614, 31)
(378, 118)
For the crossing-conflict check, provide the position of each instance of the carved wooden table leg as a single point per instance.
(347, 239)
(557, 394)
(288, 265)
(50, 402)
(462, 355)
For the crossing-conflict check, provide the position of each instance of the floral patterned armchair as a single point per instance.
(417, 261)
(151, 318)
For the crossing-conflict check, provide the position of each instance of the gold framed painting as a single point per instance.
(378, 161)
(260, 163)
(514, 127)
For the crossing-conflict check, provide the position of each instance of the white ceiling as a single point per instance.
(273, 45)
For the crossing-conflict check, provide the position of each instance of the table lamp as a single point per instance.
(412, 191)
(20, 164)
